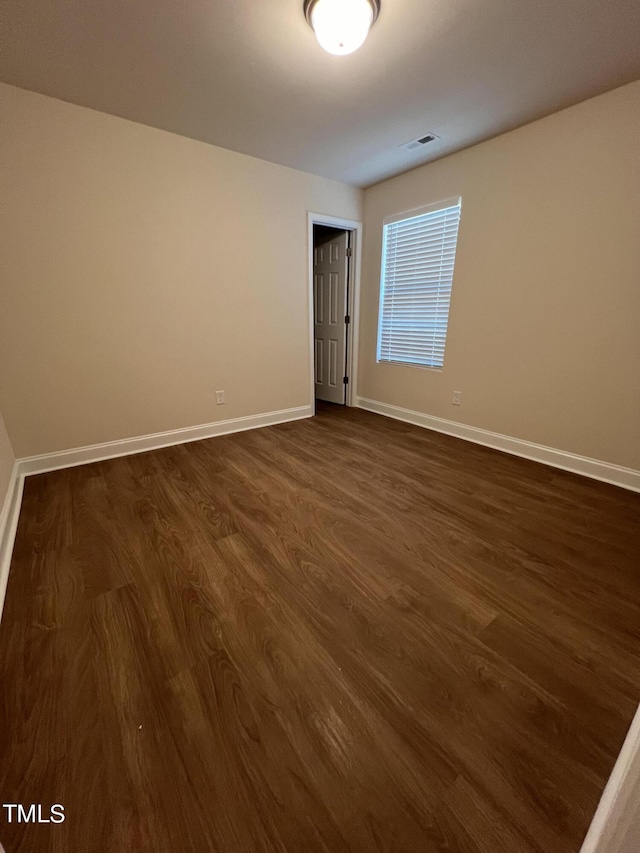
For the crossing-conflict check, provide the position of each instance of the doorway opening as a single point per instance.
(334, 255)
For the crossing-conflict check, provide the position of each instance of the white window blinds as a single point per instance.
(418, 255)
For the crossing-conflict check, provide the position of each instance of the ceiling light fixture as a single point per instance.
(341, 26)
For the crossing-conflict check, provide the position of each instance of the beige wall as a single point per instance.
(544, 330)
(7, 460)
(141, 272)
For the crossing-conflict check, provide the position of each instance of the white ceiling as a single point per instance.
(249, 75)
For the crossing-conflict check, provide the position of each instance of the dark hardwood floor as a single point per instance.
(339, 634)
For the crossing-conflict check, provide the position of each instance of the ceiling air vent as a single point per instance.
(418, 143)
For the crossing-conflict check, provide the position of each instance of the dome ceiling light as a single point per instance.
(341, 26)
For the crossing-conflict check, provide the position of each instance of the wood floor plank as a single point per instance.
(489, 824)
(336, 635)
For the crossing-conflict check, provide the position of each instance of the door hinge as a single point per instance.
(347, 319)
(346, 380)
(349, 252)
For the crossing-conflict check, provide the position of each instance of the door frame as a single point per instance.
(353, 301)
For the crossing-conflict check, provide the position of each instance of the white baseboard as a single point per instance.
(8, 526)
(627, 478)
(140, 444)
(615, 827)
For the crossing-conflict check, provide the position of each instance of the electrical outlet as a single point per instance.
(219, 398)
(457, 395)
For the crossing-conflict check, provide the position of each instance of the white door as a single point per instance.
(330, 265)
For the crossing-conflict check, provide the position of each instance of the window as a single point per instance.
(418, 254)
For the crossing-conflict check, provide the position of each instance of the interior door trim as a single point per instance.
(353, 301)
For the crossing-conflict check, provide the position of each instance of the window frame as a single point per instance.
(455, 201)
